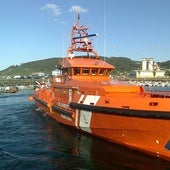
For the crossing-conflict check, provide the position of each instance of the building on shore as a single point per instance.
(149, 69)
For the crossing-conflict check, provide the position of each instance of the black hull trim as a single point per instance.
(40, 101)
(66, 113)
(122, 111)
(54, 108)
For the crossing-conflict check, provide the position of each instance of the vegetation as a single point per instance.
(164, 65)
(122, 65)
(167, 73)
(45, 66)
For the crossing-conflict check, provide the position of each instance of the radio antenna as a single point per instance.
(104, 27)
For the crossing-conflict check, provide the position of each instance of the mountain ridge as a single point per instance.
(122, 65)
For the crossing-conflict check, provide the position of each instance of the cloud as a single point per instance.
(77, 9)
(156, 46)
(51, 8)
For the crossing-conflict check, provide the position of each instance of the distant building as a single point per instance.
(56, 72)
(38, 75)
(150, 69)
(17, 77)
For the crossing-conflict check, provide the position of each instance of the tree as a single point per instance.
(167, 73)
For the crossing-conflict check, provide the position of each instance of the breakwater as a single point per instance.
(18, 82)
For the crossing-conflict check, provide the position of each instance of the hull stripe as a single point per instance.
(85, 115)
(122, 111)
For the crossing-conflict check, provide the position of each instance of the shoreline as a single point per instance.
(29, 83)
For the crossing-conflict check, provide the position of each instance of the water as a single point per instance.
(30, 140)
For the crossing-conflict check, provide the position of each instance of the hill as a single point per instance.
(122, 65)
(164, 65)
(46, 66)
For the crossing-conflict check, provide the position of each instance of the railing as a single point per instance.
(159, 94)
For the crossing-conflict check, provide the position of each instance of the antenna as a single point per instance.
(104, 27)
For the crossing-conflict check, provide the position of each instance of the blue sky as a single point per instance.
(38, 29)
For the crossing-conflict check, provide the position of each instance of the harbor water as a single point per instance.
(30, 140)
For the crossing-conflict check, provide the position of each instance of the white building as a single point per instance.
(150, 69)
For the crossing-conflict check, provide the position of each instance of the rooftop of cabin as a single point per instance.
(86, 62)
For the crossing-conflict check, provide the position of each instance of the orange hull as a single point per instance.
(83, 96)
(141, 132)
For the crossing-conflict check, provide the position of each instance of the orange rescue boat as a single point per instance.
(83, 95)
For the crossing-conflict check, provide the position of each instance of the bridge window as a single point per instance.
(102, 72)
(77, 71)
(85, 71)
(109, 71)
(94, 71)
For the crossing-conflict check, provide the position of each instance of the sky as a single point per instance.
(33, 30)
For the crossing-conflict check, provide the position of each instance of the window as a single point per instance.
(85, 71)
(109, 71)
(77, 71)
(94, 71)
(102, 72)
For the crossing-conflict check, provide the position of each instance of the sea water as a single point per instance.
(30, 140)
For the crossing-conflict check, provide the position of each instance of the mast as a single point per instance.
(80, 40)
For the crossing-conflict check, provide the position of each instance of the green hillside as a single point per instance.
(122, 65)
(46, 66)
(164, 65)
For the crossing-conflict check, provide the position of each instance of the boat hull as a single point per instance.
(149, 135)
(83, 94)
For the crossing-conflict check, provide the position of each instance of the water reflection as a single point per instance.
(92, 153)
